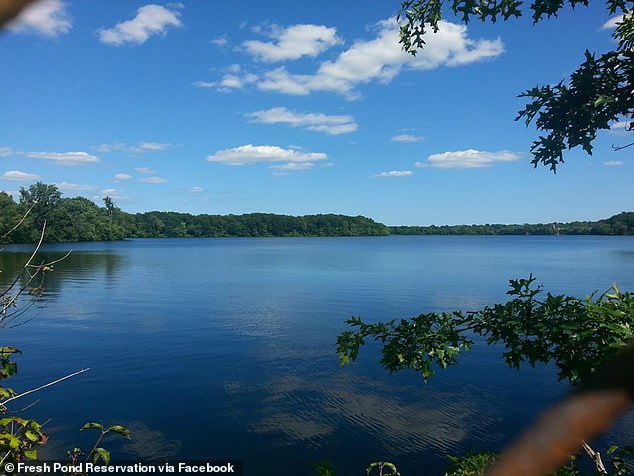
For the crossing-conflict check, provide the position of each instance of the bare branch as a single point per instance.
(28, 392)
(20, 222)
(596, 457)
(621, 147)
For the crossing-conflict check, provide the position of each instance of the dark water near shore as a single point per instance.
(224, 348)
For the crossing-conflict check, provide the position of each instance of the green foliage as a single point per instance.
(575, 334)
(98, 453)
(621, 224)
(571, 113)
(597, 94)
(323, 468)
(382, 466)
(471, 464)
(79, 219)
(19, 437)
(622, 460)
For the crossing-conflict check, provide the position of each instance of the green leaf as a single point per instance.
(101, 453)
(30, 454)
(6, 351)
(120, 430)
(90, 426)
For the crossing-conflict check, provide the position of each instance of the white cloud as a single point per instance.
(333, 125)
(220, 41)
(154, 179)
(612, 22)
(613, 163)
(122, 177)
(64, 158)
(621, 128)
(406, 138)
(381, 59)
(229, 81)
(145, 170)
(6, 151)
(394, 173)
(293, 43)
(113, 193)
(17, 175)
(204, 84)
(47, 17)
(252, 154)
(153, 146)
(133, 149)
(150, 20)
(73, 186)
(196, 190)
(285, 169)
(468, 159)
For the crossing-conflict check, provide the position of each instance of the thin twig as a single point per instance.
(20, 222)
(28, 262)
(45, 385)
(32, 404)
(620, 147)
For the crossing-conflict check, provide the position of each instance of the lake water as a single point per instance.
(225, 348)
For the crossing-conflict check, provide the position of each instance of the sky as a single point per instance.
(231, 107)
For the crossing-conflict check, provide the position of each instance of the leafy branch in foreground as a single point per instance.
(20, 437)
(571, 113)
(97, 452)
(575, 334)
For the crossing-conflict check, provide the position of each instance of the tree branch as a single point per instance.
(28, 392)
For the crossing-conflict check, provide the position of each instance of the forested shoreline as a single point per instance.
(621, 224)
(80, 219)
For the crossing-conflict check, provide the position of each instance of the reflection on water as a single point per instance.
(224, 348)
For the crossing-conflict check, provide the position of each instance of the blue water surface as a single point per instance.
(225, 348)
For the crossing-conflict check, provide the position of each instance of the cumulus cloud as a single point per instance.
(73, 186)
(196, 189)
(6, 151)
(468, 159)
(121, 177)
(612, 22)
(394, 173)
(293, 42)
(376, 60)
(19, 176)
(145, 170)
(249, 154)
(333, 125)
(406, 138)
(220, 41)
(133, 149)
(150, 20)
(47, 17)
(65, 158)
(230, 81)
(154, 179)
(613, 163)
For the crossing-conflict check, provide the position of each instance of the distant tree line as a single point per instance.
(80, 219)
(621, 224)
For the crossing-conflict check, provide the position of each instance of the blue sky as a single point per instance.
(297, 108)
